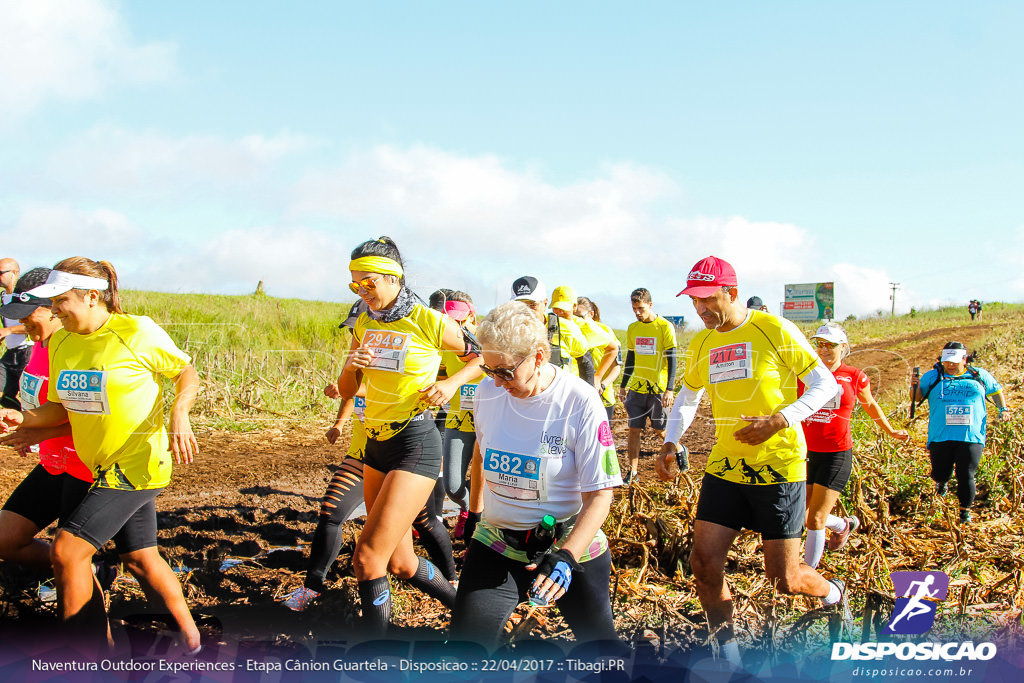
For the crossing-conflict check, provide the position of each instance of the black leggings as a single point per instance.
(492, 585)
(964, 456)
(434, 535)
(344, 494)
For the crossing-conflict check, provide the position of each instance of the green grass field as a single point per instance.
(263, 359)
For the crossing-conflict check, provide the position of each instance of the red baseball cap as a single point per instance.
(707, 276)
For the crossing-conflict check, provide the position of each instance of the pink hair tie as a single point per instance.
(457, 310)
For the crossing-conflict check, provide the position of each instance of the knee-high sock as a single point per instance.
(435, 540)
(432, 582)
(814, 547)
(375, 599)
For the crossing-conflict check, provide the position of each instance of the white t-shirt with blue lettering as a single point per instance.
(956, 405)
(540, 453)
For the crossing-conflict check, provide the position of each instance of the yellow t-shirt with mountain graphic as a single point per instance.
(649, 342)
(752, 370)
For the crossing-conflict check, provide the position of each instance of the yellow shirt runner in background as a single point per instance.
(649, 342)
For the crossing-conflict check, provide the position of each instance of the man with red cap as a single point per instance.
(749, 362)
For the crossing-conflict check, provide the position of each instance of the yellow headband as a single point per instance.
(376, 264)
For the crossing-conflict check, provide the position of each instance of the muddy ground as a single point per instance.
(237, 524)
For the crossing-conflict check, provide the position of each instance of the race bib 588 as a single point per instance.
(83, 391)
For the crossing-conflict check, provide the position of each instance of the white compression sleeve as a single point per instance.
(820, 386)
(683, 411)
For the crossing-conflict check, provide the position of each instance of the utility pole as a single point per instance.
(895, 286)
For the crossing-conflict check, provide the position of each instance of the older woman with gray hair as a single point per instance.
(544, 468)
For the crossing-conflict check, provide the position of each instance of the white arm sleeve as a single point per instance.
(820, 386)
(682, 414)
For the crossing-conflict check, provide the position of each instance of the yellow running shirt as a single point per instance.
(406, 357)
(460, 409)
(648, 342)
(109, 382)
(599, 336)
(752, 370)
(572, 342)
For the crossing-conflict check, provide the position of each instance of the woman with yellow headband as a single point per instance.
(396, 349)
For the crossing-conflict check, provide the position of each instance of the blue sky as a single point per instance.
(206, 146)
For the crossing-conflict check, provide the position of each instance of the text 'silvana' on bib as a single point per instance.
(84, 391)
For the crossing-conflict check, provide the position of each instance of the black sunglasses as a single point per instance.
(504, 374)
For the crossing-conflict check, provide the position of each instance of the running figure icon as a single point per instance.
(918, 595)
(916, 605)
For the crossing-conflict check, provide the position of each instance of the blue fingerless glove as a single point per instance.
(559, 565)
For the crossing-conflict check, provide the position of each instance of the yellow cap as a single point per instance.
(564, 297)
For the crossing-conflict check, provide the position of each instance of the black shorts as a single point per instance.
(831, 470)
(416, 449)
(775, 511)
(641, 406)
(43, 498)
(129, 517)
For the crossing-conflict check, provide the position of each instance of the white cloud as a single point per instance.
(71, 50)
(294, 262)
(42, 235)
(152, 163)
(862, 290)
(473, 223)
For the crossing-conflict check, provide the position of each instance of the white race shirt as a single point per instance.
(540, 453)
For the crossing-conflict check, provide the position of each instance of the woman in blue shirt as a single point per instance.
(956, 394)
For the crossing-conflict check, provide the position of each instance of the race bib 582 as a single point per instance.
(511, 475)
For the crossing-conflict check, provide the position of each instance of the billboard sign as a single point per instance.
(809, 302)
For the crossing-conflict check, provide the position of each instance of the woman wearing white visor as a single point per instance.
(107, 367)
(830, 444)
(957, 418)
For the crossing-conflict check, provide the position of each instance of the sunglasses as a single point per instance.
(367, 283)
(822, 344)
(504, 374)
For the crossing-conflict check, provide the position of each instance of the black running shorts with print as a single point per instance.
(775, 511)
(639, 407)
(129, 517)
(416, 449)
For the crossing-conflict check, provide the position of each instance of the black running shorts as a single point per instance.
(775, 511)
